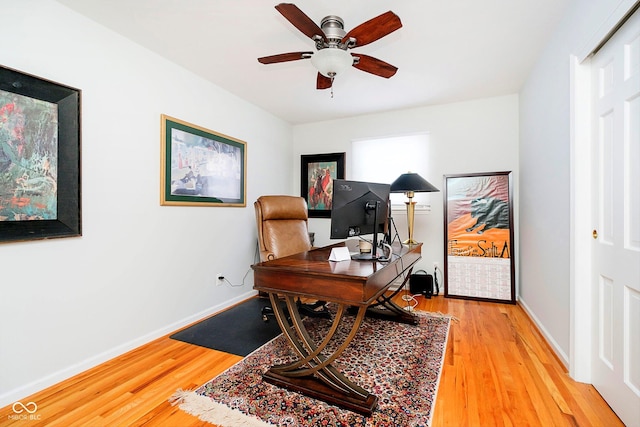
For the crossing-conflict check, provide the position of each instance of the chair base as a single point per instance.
(317, 309)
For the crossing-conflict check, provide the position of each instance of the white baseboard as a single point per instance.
(26, 390)
(547, 336)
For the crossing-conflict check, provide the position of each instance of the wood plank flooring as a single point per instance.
(498, 371)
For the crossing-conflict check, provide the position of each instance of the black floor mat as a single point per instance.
(239, 330)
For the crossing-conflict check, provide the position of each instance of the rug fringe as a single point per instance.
(444, 353)
(213, 412)
(438, 314)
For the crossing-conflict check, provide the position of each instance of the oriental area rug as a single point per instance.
(401, 364)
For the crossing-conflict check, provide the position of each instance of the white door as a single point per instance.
(616, 215)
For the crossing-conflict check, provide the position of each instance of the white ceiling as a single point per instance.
(446, 51)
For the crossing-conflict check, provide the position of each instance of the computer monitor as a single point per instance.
(359, 208)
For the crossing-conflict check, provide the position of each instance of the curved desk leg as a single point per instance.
(313, 374)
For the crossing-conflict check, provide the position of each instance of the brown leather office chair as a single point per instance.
(282, 224)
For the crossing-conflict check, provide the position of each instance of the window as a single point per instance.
(385, 159)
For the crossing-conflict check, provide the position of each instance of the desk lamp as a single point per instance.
(410, 183)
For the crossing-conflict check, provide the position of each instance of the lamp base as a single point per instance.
(410, 242)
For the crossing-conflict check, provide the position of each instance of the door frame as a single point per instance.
(580, 290)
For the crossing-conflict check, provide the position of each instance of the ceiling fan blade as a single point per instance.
(374, 66)
(285, 57)
(323, 82)
(300, 20)
(374, 29)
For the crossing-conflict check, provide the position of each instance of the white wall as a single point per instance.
(464, 137)
(545, 169)
(140, 270)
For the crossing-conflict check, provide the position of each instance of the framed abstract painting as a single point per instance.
(39, 158)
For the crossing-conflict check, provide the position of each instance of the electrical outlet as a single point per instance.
(436, 266)
(219, 279)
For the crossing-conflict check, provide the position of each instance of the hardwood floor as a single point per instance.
(498, 371)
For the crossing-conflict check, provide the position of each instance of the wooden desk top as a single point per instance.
(311, 274)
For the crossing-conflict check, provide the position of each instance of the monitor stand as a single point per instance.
(364, 257)
(373, 255)
(369, 257)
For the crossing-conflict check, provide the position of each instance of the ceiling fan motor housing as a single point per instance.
(333, 28)
(332, 57)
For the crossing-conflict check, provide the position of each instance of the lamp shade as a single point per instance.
(412, 182)
(331, 61)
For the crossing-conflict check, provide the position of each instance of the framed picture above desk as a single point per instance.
(317, 172)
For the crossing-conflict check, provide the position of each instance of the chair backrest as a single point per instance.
(282, 226)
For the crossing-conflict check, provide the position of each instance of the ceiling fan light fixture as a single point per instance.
(331, 61)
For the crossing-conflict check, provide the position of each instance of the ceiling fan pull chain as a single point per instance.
(332, 77)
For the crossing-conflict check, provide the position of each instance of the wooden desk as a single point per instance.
(357, 284)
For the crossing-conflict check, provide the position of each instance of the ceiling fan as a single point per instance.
(332, 44)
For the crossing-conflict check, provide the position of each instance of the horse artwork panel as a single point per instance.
(489, 213)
